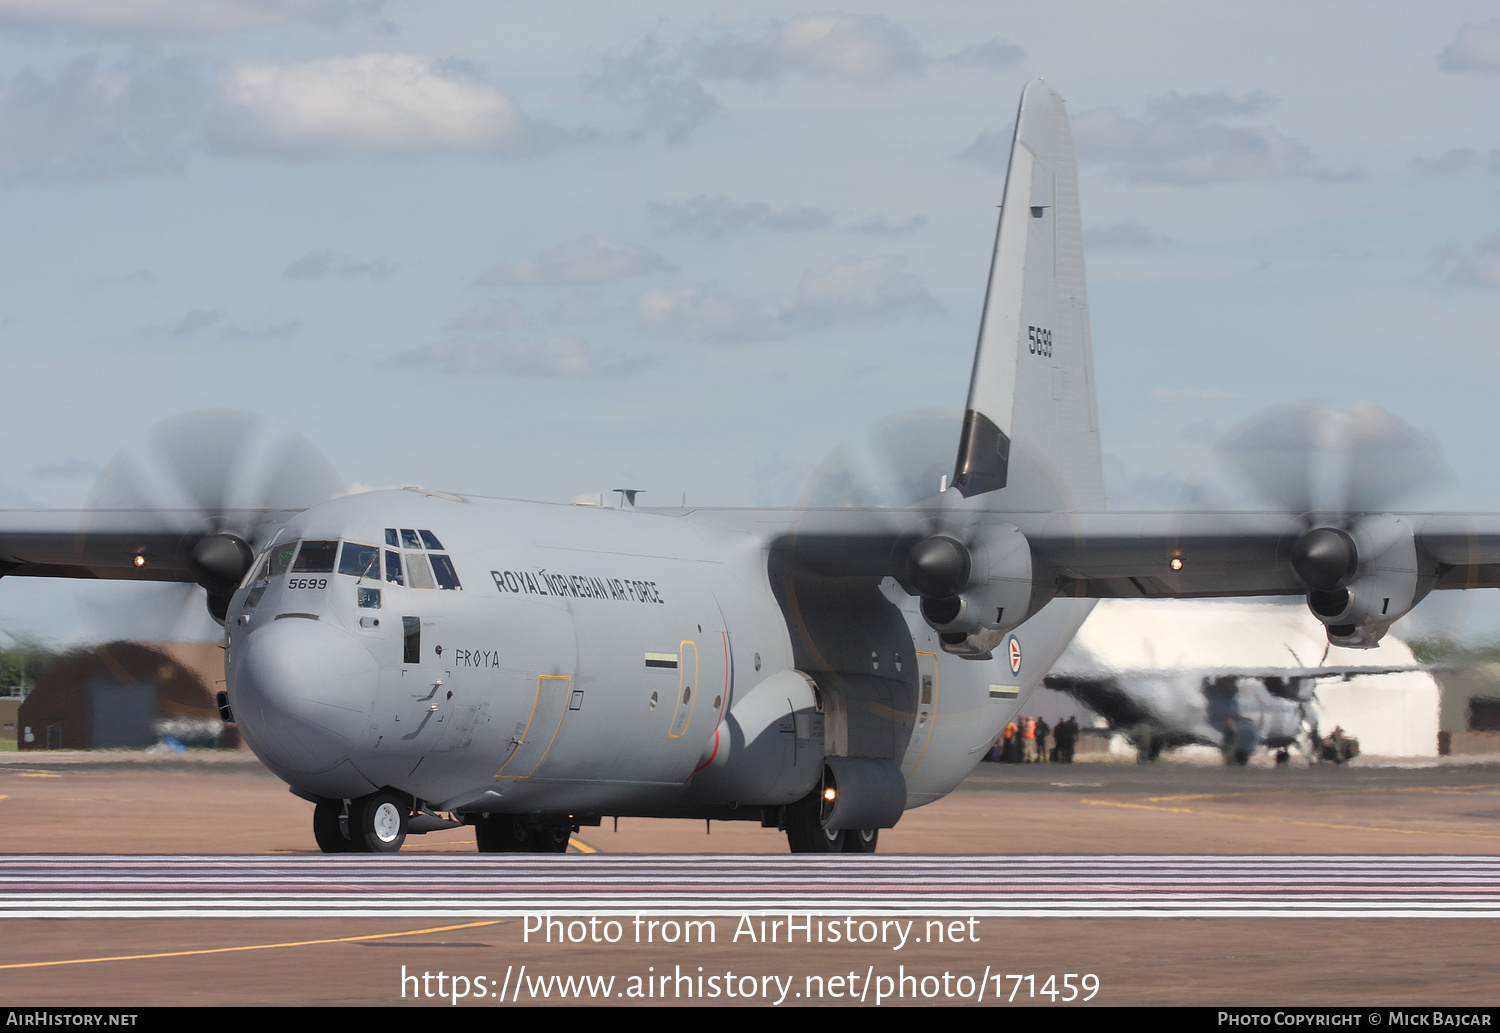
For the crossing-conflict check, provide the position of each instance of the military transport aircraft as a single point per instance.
(1161, 710)
(408, 660)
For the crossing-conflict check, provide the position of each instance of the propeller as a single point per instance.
(973, 575)
(1308, 458)
(217, 475)
(1342, 471)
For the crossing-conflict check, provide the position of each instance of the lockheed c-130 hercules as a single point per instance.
(410, 660)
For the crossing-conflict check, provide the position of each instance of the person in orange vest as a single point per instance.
(1008, 743)
(1028, 739)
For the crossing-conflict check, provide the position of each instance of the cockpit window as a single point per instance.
(315, 558)
(425, 567)
(442, 567)
(281, 558)
(418, 570)
(360, 560)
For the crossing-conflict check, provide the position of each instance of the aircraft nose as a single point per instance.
(302, 696)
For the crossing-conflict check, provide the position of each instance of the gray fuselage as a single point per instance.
(593, 662)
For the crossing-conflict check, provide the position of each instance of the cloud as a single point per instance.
(194, 322)
(585, 260)
(94, 121)
(665, 83)
(317, 265)
(860, 49)
(1478, 266)
(864, 290)
(1460, 159)
(561, 356)
(989, 54)
(488, 319)
(264, 332)
(653, 79)
(706, 316)
(991, 148)
(1176, 144)
(1195, 107)
(1457, 161)
(171, 17)
(582, 308)
(1125, 234)
(1477, 49)
(860, 291)
(366, 105)
(712, 217)
(881, 226)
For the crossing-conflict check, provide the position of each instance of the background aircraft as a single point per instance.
(409, 659)
(1171, 674)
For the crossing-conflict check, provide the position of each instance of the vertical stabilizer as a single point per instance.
(1031, 428)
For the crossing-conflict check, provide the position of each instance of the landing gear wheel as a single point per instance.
(507, 833)
(330, 829)
(377, 823)
(860, 841)
(805, 833)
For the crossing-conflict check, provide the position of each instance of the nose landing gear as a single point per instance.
(374, 824)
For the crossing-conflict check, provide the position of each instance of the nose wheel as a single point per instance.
(374, 824)
(331, 827)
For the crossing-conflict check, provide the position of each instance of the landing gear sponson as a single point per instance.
(805, 834)
(379, 824)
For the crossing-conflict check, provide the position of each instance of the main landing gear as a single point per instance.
(374, 824)
(509, 833)
(805, 833)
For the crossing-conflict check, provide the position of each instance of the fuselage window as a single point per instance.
(369, 598)
(393, 568)
(315, 558)
(281, 558)
(418, 570)
(254, 596)
(429, 541)
(409, 539)
(391, 539)
(442, 568)
(411, 640)
(360, 561)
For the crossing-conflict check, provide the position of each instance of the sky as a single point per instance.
(542, 250)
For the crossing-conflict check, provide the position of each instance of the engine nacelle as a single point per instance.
(1363, 579)
(995, 596)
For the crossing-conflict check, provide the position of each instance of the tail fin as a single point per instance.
(1031, 427)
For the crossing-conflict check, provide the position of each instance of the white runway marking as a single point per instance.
(424, 886)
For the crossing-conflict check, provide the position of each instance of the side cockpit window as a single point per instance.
(442, 569)
(426, 564)
(281, 558)
(360, 561)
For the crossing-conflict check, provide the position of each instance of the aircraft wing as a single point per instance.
(106, 543)
(1124, 555)
(1129, 555)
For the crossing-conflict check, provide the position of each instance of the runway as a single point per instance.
(479, 887)
(1171, 884)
